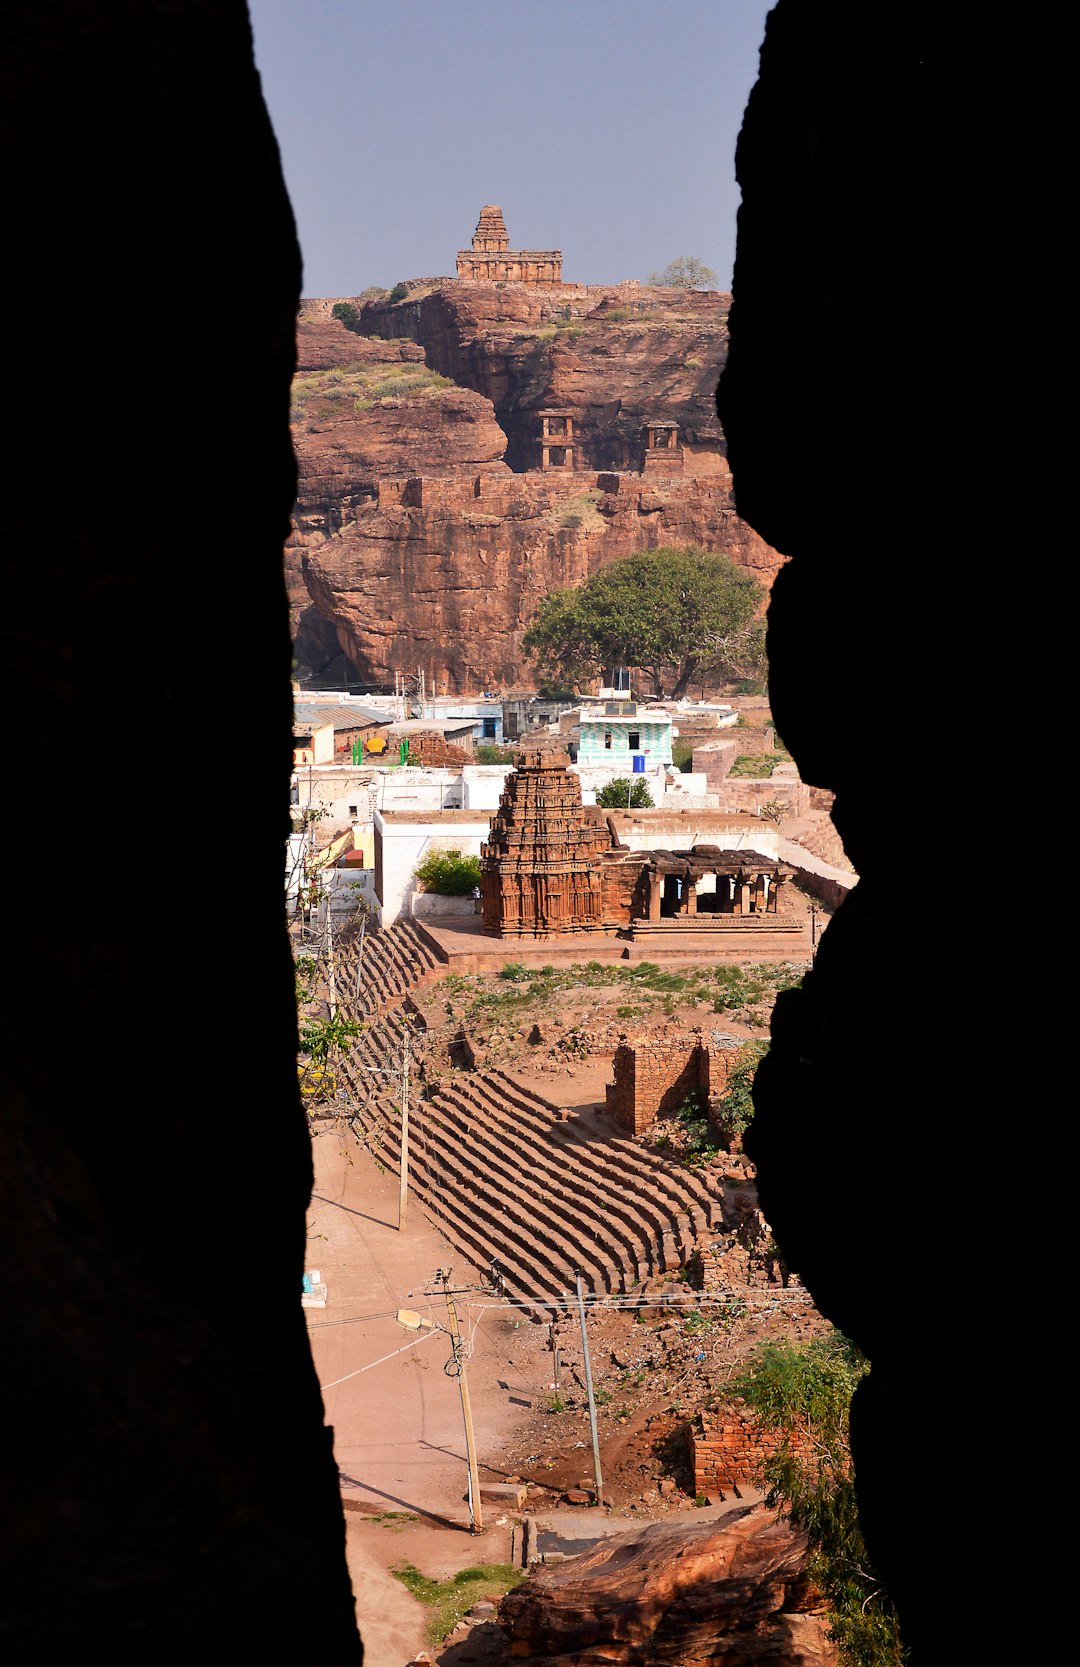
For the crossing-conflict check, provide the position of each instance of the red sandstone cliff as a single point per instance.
(425, 534)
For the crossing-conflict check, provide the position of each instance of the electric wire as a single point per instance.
(423, 1338)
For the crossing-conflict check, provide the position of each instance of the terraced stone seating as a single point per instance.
(507, 1179)
(385, 967)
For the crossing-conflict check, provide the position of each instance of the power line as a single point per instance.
(372, 1363)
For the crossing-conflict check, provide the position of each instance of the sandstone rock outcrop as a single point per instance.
(675, 1594)
(425, 531)
(615, 354)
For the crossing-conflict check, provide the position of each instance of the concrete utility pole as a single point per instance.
(476, 1519)
(403, 1173)
(331, 985)
(589, 1392)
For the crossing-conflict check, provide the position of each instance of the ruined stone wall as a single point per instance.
(729, 1448)
(713, 762)
(432, 750)
(652, 1079)
(751, 740)
(749, 793)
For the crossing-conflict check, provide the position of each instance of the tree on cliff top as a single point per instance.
(680, 615)
(686, 272)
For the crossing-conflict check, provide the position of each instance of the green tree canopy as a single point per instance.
(678, 614)
(686, 272)
(625, 793)
(345, 313)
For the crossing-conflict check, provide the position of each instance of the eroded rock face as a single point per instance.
(616, 355)
(446, 572)
(425, 531)
(681, 1594)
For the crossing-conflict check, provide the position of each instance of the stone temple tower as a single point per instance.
(490, 236)
(541, 865)
(492, 260)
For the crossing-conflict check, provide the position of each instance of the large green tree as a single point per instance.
(681, 615)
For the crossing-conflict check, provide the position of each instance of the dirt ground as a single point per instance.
(395, 1409)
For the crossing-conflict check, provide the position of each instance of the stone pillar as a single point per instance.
(691, 897)
(744, 897)
(656, 891)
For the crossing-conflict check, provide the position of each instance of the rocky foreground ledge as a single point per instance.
(683, 1594)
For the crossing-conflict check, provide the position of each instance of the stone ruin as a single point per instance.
(552, 865)
(492, 260)
(541, 861)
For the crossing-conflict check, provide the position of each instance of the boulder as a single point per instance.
(731, 1591)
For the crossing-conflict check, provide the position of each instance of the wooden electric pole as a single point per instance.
(476, 1519)
(589, 1392)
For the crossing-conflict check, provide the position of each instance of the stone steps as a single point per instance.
(652, 1231)
(631, 1234)
(566, 1244)
(686, 1191)
(525, 1237)
(506, 1180)
(392, 962)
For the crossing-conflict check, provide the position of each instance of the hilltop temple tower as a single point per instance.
(492, 259)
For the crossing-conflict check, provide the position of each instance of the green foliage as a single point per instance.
(686, 272)
(736, 1103)
(399, 292)
(680, 614)
(320, 394)
(805, 1393)
(554, 1402)
(449, 873)
(489, 754)
(319, 1036)
(624, 794)
(304, 970)
(682, 755)
(345, 313)
(756, 766)
(374, 292)
(701, 1141)
(450, 1599)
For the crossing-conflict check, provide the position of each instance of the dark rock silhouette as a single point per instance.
(169, 1487)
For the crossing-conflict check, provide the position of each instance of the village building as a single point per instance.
(620, 732)
(325, 731)
(492, 259)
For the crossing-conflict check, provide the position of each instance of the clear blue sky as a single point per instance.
(604, 128)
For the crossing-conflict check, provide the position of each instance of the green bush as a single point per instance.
(345, 313)
(399, 292)
(490, 754)
(450, 873)
(624, 794)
